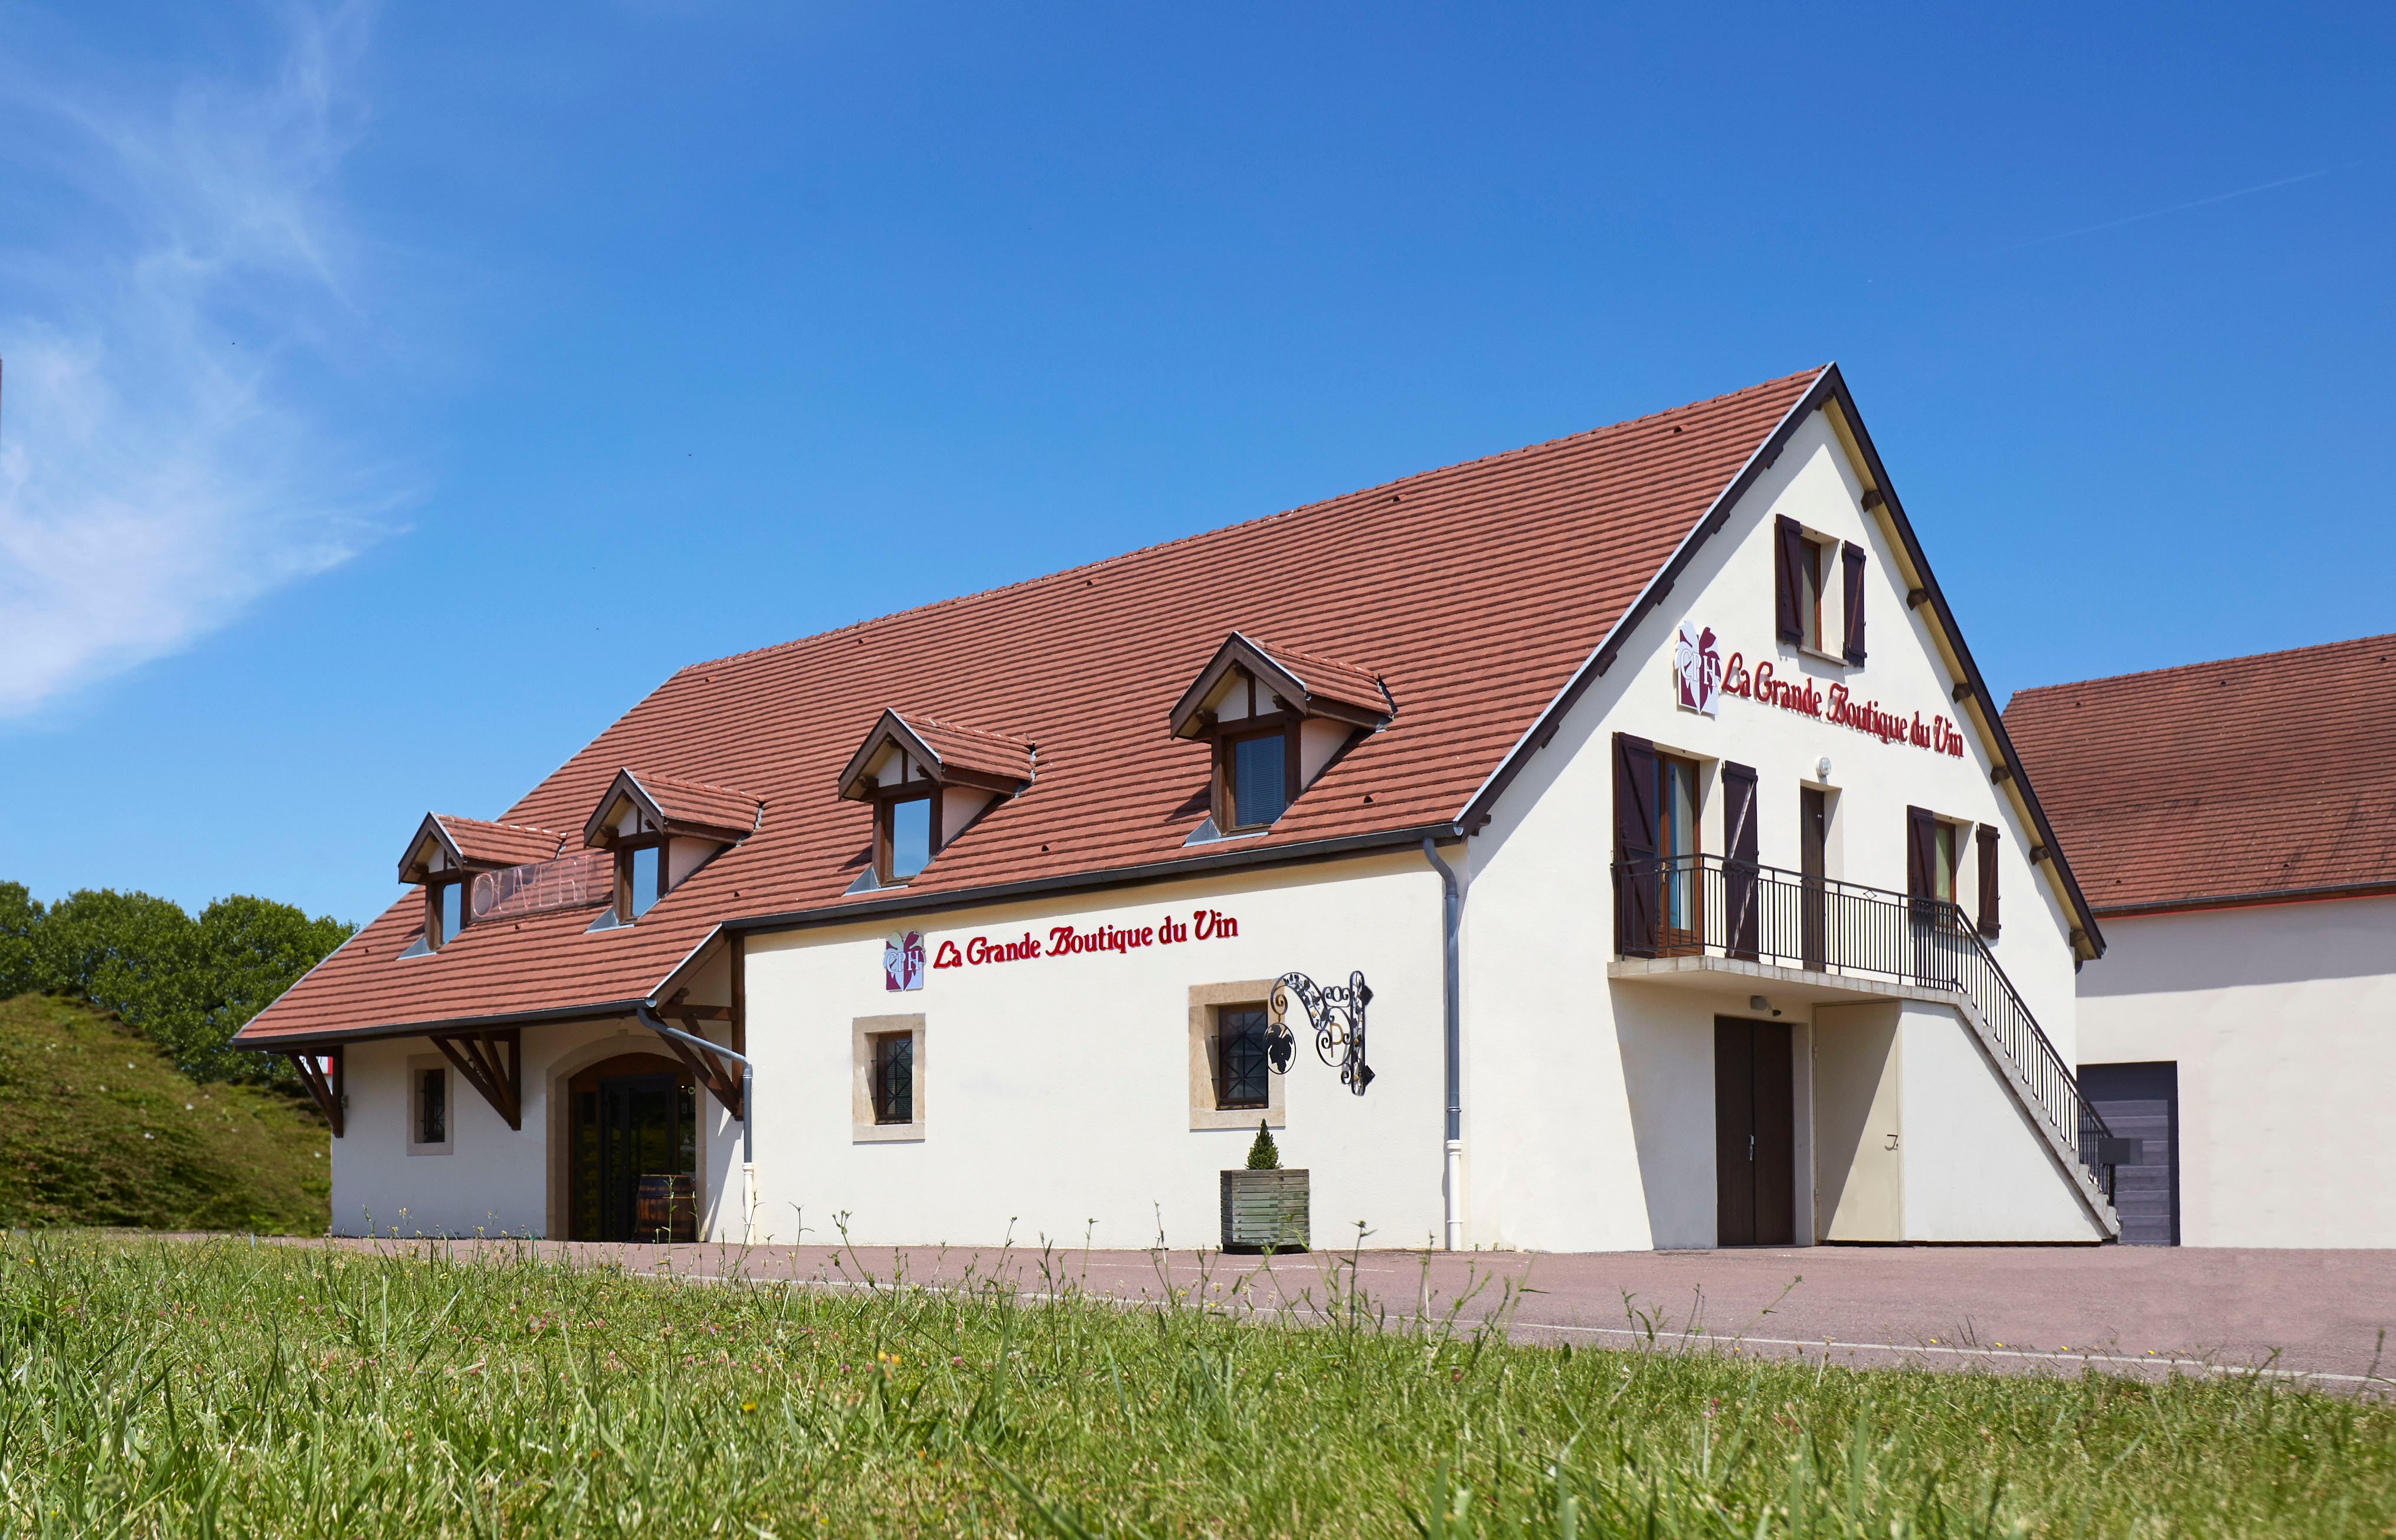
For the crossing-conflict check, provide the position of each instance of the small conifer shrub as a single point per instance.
(1264, 1155)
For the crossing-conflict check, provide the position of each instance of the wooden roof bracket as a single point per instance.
(721, 1078)
(328, 1091)
(492, 1062)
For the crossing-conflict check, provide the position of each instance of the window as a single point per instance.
(906, 838)
(886, 1102)
(1259, 779)
(445, 910)
(428, 1105)
(1806, 610)
(1243, 1074)
(894, 1078)
(1232, 1087)
(432, 1107)
(1680, 902)
(640, 878)
(1942, 862)
(1931, 847)
(1809, 593)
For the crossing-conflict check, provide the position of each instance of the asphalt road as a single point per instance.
(2319, 1316)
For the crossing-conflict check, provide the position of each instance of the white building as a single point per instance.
(1675, 886)
(2243, 1024)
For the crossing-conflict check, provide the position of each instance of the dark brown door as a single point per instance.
(1755, 1133)
(1813, 838)
(632, 1145)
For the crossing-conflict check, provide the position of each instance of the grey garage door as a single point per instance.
(2141, 1102)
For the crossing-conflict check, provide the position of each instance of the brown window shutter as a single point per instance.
(1988, 864)
(1852, 559)
(1635, 872)
(1921, 850)
(1788, 597)
(1743, 923)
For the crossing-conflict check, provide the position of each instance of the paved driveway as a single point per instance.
(2322, 1316)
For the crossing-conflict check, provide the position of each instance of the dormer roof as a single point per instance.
(661, 804)
(955, 754)
(444, 842)
(1309, 684)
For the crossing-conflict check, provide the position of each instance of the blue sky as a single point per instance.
(393, 396)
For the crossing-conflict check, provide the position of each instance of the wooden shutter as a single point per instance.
(1988, 864)
(1852, 560)
(1636, 869)
(1920, 853)
(1742, 923)
(1789, 554)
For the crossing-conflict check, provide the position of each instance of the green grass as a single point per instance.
(225, 1387)
(97, 1127)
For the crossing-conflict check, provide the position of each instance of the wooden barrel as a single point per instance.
(665, 1208)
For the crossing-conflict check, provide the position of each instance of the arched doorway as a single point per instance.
(631, 1143)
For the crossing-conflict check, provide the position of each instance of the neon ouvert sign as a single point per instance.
(1838, 706)
(1203, 924)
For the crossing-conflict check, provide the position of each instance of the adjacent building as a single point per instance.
(1609, 844)
(2242, 1025)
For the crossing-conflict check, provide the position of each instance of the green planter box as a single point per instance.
(1265, 1209)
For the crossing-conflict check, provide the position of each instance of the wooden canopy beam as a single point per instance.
(721, 1076)
(328, 1090)
(492, 1063)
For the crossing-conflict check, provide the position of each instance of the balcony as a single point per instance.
(1687, 917)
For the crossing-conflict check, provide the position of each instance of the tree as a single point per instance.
(250, 950)
(21, 971)
(128, 953)
(1264, 1155)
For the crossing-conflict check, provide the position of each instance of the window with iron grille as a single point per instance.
(894, 1078)
(432, 1107)
(1243, 1075)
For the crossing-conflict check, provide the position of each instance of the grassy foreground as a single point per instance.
(98, 1127)
(149, 1387)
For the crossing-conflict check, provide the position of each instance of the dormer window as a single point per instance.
(445, 856)
(928, 782)
(662, 831)
(1277, 718)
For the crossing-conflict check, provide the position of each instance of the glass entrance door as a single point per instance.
(633, 1151)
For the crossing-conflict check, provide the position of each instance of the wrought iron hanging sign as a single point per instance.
(1336, 1013)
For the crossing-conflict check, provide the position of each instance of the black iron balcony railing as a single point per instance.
(1711, 906)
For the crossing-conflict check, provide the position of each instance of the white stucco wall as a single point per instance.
(1974, 1165)
(2283, 1021)
(1058, 1090)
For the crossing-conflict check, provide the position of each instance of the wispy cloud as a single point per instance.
(172, 258)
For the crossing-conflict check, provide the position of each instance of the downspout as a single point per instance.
(1452, 915)
(748, 1110)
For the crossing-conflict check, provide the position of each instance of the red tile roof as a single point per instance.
(961, 748)
(1477, 592)
(1329, 677)
(479, 841)
(2269, 774)
(690, 801)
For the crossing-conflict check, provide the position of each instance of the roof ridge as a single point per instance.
(947, 726)
(2388, 638)
(1320, 503)
(689, 784)
(492, 823)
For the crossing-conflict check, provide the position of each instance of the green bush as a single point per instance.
(1264, 1155)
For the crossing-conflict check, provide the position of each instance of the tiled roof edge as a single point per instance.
(2383, 638)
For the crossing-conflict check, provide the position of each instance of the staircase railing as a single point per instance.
(1709, 905)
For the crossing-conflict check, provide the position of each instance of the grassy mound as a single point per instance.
(155, 1388)
(97, 1127)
